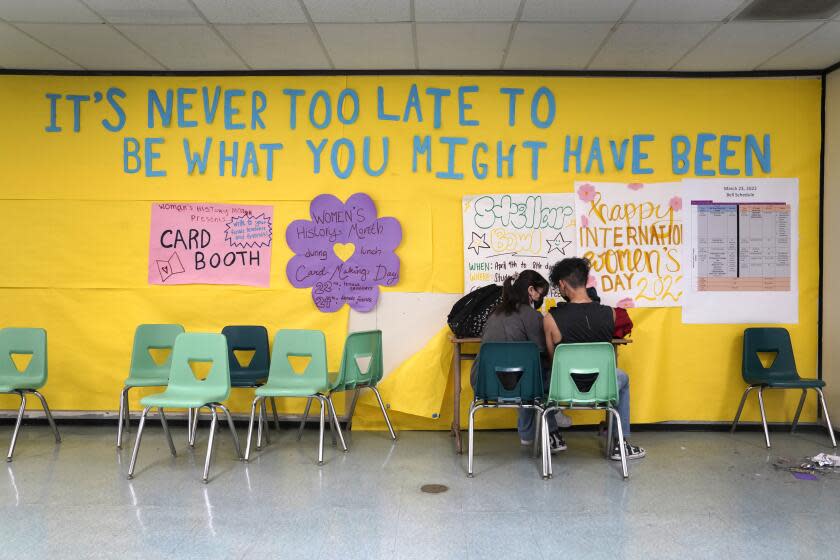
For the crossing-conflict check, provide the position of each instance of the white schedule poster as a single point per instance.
(632, 233)
(741, 251)
(507, 233)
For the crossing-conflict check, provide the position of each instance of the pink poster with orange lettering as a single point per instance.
(196, 243)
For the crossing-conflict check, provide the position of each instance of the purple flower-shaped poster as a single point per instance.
(320, 261)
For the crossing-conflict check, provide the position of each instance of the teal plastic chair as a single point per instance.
(509, 376)
(781, 374)
(144, 371)
(283, 381)
(32, 342)
(583, 377)
(361, 368)
(184, 390)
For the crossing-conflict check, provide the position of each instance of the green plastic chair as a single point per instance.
(184, 390)
(144, 371)
(283, 381)
(583, 377)
(32, 342)
(509, 376)
(781, 374)
(361, 368)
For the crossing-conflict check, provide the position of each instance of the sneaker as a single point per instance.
(526, 441)
(632, 451)
(556, 442)
(563, 420)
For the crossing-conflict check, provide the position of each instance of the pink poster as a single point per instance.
(196, 243)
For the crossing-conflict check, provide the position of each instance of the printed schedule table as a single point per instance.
(743, 246)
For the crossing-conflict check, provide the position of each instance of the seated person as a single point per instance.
(582, 320)
(516, 319)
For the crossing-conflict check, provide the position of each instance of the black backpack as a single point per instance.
(470, 313)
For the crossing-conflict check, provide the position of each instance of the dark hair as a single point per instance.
(515, 292)
(574, 271)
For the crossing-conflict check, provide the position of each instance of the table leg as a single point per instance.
(456, 381)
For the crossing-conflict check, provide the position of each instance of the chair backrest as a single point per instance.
(32, 342)
(583, 375)
(250, 339)
(361, 362)
(509, 371)
(201, 347)
(770, 340)
(289, 343)
(153, 337)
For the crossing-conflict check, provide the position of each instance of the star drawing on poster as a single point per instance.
(558, 244)
(478, 242)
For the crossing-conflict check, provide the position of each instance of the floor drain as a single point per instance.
(434, 488)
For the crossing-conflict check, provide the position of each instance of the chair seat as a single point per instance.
(9, 384)
(176, 399)
(302, 390)
(147, 381)
(793, 384)
(246, 381)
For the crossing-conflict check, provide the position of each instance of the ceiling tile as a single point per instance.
(368, 45)
(743, 45)
(465, 10)
(461, 45)
(648, 46)
(18, 50)
(251, 11)
(681, 10)
(145, 11)
(819, 50)
(358, 11)
(46, 11)
(184, 47)
(94, 46)
(555, 46)
(291, 46)
(574, 10)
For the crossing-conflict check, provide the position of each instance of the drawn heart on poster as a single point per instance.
(344, 250)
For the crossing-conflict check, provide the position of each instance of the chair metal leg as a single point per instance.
(189, 427)
(122, 417)
(195, 414)
(827, 419)
(274, 412)
(741, 407)
(232, 431)
(166, 431)
(609, 444)
(332, 427)
(305, 416)
(538, 430)
(763, 416)
(251, 428)
(336, 424)
(798, 410)
(622, 448)
(384, 412)
(213, 424)
(137, 442)
(352, 410)
(260, 424)
(17, 425)
(48, 415)
(471, 440)
(544, 443)
(264, 416)
(321, 434)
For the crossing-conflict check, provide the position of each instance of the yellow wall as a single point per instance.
(76, 244)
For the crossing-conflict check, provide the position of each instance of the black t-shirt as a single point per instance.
(584, 322)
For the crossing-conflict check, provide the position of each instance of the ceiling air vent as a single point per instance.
(788, 10)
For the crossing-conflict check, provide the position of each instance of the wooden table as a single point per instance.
(459, 355)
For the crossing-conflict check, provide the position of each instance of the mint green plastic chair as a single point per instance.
(32, 342)
(583, 377)
(361, 368)
(144, 371)
(283, 381)
(184, 390)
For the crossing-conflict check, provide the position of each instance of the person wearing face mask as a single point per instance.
(583, 320)
(516, 319)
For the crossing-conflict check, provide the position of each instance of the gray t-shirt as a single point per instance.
(523, 325)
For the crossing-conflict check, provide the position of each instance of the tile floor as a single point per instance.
(696, 495)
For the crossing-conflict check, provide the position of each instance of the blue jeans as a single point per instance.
(527, 427)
